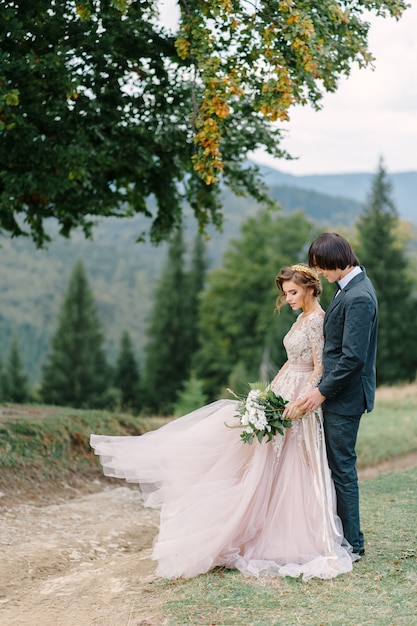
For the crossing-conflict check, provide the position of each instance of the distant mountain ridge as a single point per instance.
(327, 211)
(355, 186)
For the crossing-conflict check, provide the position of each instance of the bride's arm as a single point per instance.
(316, 374)
(311, 397)
(297, 408)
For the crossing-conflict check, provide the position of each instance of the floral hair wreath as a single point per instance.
(309, 271)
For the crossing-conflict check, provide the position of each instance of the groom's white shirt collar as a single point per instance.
(346, 279)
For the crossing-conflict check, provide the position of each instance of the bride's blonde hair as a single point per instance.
(302, 275)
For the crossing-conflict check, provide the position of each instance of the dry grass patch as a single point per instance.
(400, 392)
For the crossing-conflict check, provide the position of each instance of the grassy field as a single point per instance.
(391, 429)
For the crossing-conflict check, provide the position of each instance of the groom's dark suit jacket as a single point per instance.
(350, 336)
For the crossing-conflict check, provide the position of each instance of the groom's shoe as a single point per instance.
(359, 554)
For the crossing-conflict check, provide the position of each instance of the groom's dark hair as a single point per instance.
(331, 251)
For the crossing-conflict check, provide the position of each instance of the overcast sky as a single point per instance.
(373, 113)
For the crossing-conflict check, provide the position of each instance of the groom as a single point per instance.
(347, 388)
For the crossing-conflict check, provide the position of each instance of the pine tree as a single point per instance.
(15, 386)
(76, 372)
(167, 361)
(126, 375)
(382, 252)
(191, 397)
(195, 285)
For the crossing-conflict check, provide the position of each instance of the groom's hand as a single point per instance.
(311, 400)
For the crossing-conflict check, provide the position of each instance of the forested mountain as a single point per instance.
(123, 273)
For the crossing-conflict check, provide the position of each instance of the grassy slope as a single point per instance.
(48, 445)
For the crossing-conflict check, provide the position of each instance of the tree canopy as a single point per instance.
(101, 108)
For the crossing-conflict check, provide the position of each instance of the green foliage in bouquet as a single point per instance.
(260, 412)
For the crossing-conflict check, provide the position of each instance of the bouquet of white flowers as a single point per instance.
(260, 413)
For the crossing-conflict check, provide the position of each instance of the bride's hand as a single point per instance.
(292, 410)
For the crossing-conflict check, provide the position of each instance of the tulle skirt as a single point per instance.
(264, 508)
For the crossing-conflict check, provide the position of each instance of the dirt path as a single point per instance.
(85, 560)
(79, 562)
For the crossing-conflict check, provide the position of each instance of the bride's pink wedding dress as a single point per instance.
(264, 509)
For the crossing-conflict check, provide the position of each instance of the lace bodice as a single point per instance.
(304, 368)
(304, 341)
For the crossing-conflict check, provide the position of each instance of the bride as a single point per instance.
(266, 508)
